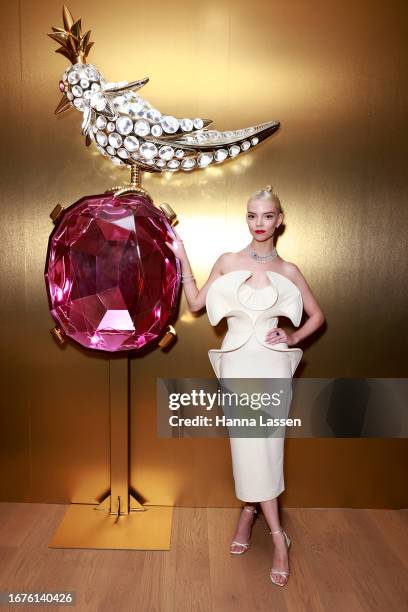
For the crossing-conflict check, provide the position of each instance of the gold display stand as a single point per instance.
(120, 521)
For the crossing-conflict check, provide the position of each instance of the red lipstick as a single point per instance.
(259, 231)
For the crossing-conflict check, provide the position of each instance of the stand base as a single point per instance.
(84, 527)
(134, 505)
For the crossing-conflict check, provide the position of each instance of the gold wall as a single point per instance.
(333, 74)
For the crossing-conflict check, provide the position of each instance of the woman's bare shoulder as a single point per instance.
(226, 260)
(292, 271)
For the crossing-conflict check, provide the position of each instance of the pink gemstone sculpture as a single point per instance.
(112, 283)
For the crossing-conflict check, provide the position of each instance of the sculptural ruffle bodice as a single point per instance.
(231, 297)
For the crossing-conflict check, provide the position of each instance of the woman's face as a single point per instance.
(263, 217)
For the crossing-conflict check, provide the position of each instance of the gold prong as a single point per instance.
(76, 29)
(67, 18)
(169, 212)
(56, 212)
(58, 335)
(84, 40)
(65, 52)
(168, 337)
(60, 37)
(72, 41)
(88, 48)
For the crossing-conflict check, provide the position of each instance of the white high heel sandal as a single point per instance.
(278, 571)
(244, 546)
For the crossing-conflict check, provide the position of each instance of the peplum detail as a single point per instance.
(252, 311)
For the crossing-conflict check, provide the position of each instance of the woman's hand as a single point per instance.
(277, 334)
(177, 246)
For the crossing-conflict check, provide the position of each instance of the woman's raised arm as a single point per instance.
(195, 297)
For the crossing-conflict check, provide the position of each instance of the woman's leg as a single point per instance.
(243, 531)
(280, 553)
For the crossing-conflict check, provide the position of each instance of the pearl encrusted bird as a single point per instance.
(127, 129)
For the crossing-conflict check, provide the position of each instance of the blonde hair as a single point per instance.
(266, 193)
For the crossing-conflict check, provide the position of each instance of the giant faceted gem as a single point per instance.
(112, 283)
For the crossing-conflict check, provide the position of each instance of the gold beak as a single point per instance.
(64, 104)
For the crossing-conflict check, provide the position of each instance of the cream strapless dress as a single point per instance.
(251, 312)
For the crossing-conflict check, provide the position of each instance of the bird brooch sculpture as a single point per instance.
(113, 283)
(129, 130)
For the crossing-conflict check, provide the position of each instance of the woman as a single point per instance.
(276, 287)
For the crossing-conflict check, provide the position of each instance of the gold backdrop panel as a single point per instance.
(334, 78)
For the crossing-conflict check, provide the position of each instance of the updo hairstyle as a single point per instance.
(266, 194)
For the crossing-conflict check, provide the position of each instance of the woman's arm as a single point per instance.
(195, 297)
(310, 305)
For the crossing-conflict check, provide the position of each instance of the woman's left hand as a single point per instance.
(276, 335)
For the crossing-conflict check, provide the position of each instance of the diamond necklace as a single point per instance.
(261, 258)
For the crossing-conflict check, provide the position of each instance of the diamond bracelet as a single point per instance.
(187, 277)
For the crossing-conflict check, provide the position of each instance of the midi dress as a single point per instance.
(257, 462)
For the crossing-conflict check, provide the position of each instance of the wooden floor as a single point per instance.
(341, 560)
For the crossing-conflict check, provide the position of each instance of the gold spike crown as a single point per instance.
(74, 45)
